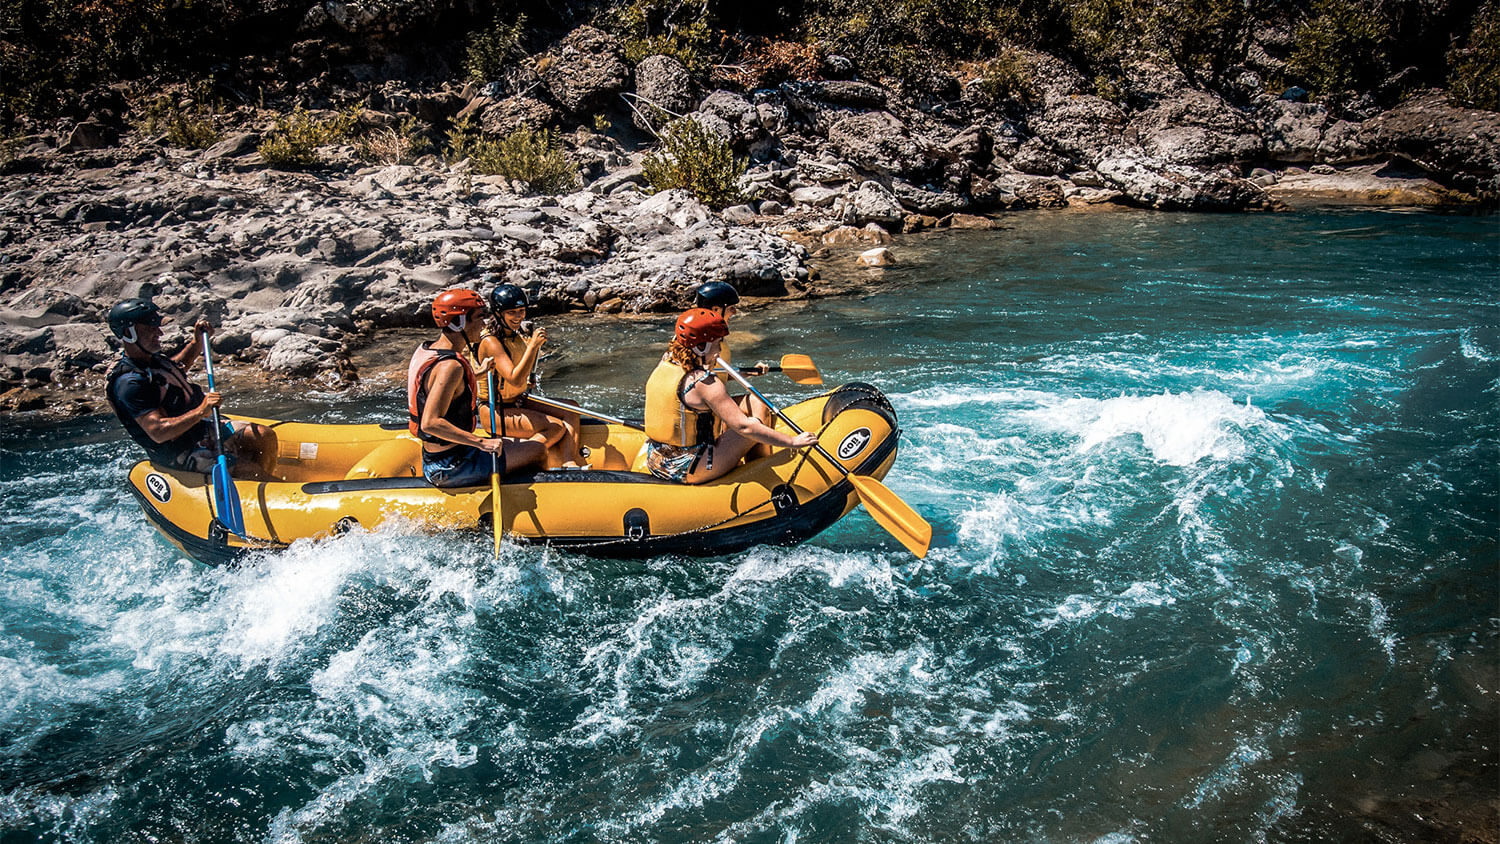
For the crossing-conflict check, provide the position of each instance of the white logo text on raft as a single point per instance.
(853, 443)
(158, 487)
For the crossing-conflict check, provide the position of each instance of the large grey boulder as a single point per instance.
(736, 112)
(1458, 146)
(1153, 183)
(511, 113)
(301, 355)
(1299, 133)
(586, 70)
(1079, 127)
(872, 203)
(662, 83)
(1196, 127)
(878, 142)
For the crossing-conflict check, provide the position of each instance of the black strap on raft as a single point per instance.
(637, 525)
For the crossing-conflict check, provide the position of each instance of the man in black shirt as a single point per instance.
(168, 415)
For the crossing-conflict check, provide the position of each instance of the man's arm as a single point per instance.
(162, 428)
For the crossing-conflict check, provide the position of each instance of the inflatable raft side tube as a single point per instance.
(799, 523)
(200, 548)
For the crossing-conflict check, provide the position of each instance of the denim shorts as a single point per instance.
(463, 465)
(675, 462)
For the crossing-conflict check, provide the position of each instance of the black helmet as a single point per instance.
(716, 294)
(506, 297)
(125, 316)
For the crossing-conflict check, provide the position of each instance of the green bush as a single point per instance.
(531, 156)
(1474, 75)
(295, 140)
(51, 50)
(1038, 24)
(1102, 33)
(1008, 77)
(1342, 46)
(676, 28)
(697, 160)
(494, 47)
(909, 41)
(188, 128)
(1203, 38)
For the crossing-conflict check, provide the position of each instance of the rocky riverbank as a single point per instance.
(300, 267)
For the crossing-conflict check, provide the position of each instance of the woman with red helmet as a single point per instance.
(441, 401)
(696, 431)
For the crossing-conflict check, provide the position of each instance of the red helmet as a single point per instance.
(700, 326)
(451, 305)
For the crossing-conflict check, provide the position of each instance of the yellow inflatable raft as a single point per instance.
(334, 477)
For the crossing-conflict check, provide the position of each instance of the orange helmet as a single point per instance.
(455, 305)
(700, 326)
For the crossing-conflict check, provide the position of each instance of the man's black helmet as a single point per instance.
(126, 315)
(506, 297)
(716, 294)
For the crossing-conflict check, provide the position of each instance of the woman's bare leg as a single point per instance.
(727, 452)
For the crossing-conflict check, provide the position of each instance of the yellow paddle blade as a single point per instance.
(495, 509)
(893, 514)
(800, 369)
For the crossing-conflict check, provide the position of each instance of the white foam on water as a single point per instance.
(1380, 626)
(762, 565)
(1077, 609)
(1473, 349)
(834, 703)
(1179, 429)
(61, 817)
(1230, 775)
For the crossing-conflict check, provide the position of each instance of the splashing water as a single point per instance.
(1216, 532)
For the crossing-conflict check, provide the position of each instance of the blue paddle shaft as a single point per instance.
(226, 496)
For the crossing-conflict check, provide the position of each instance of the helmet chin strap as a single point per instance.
(129, 335)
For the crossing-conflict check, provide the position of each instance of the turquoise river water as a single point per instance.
(1216, 558)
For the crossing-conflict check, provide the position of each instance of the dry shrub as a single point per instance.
(398, 144)
(768, 62)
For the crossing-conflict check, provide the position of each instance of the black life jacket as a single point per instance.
(462, 412)
(174, 401)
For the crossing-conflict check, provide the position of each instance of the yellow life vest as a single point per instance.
(728, 358)
(514, 346)
(668, 420)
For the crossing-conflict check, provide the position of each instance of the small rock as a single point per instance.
(740, 215)
(815, 197)
(877, 257)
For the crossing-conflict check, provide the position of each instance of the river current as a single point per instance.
(1216, 558)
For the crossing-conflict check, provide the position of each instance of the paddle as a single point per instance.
(495, 465)
(583, 411)
(799, 368)
(226, 496)
(889, 511)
